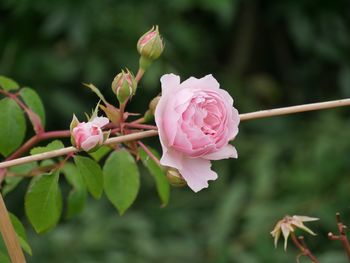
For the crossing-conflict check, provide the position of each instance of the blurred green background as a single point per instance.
(267, 54)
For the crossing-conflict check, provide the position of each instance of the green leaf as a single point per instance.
(12, 181)
(121, 179)
(100, 153)
(33, 101)
(13, 126)
(158, 174)
(77, 196)
(54, 145)
(92, 174)
(10, 184)
(21, 233)
(94, 89)
(43, 202)
(8, 84)
(4, 258)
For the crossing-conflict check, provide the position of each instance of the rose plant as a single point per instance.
(195, 120)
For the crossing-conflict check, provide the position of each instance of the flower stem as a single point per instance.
(140, 126)
(9, 235)
(139, 75)
(304, 250)
(342, 235)
(149, 153)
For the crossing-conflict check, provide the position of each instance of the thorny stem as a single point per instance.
(243, 117)
(149, 153)
(140, 126)
(304, 250)
(342, 235)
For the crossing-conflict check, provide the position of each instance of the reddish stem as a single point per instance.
(140, 126)
(342, 235)
(139, 75)
(149, 153)
(304, 250)
(33, 117)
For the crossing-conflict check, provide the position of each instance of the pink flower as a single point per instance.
(196, 120)
(88, 135)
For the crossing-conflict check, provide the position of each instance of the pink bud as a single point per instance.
(88, 135)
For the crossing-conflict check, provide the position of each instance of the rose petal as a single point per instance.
(225, 152)
(91, 142)
(169, 83)
(197, 173)
(100, 121)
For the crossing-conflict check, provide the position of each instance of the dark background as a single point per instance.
(267, 54)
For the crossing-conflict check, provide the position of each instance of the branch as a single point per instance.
(294, 109)
(9, 235)
(68, 150)
(140, 135)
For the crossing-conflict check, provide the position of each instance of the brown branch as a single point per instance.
(9, 235)
(304, 250)
(342, 235)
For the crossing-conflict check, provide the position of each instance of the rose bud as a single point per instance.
(175, 178)
(124, 86)
(150, 46)
(196, 121)
(88, 136)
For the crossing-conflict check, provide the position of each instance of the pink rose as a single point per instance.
(196, 120)
(87, 135)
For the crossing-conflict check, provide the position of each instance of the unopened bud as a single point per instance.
(124, 85)
(175, 178)
(150, 46)
(153, 104)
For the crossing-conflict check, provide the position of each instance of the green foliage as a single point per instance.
(15, 175)
(158, 174)
(8, 84)
(92, 174)
(13, 126)
(77, 196)
(4, 258)
(33, 101)
(100, 153)
(21, 233)
(54, 145)
(43, 202)
(121, 179)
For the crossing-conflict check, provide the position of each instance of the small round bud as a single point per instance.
(150, 45)
(153, 104)
(175, 178)
(124, 85)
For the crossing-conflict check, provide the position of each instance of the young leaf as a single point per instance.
(13, 126)
(21, 233)
(8, 84)
(96, 91)
(77, 196)
(43, 202)
(92, 174)
(54, 145)
(158, 174)
(33, 101)
(121, 179)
